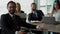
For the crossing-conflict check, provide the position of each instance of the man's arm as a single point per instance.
(40, 11)
(30, 26)
(24, 24)
(29, 17)
(3, 21)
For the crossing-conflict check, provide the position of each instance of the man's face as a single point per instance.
(11, 8)
(33, 7)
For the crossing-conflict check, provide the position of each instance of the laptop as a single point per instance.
(49, 20)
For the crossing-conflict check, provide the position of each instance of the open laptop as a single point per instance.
(49, 20)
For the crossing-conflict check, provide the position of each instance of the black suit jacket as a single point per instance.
(39, 14)
(6, 21)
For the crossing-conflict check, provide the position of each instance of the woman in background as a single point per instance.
(56, 12)
(18, 8)
(19, 12)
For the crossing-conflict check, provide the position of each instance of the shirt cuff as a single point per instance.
(37, 27)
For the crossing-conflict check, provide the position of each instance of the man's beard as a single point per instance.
(33, 9)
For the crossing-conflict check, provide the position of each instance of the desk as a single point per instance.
(51, 27)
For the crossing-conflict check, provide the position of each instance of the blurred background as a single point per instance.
(45, 5)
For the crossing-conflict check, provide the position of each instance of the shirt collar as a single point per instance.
(33, 11)
(11, 15)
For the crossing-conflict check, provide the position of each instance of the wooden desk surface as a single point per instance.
(51, 27)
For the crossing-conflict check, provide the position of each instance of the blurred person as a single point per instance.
(35, 14)
(11, 22)
(19, 12)
(18, 8)
(56, 12)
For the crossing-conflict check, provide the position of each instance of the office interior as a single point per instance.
(45, 5)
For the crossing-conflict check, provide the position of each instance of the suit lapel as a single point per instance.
(9, 17)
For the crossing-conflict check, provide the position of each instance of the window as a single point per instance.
(45, 5)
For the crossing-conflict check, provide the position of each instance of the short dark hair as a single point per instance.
(33, 4)
(11, 2)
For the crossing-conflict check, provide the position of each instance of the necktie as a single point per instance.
(35, 14)
(15, 24)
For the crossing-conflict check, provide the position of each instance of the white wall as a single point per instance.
(3, 8)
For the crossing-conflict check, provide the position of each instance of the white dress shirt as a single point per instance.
(11, 15)
(57, 15)
(34, 12)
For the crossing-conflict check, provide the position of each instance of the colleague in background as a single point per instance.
(18, 8)
(19, 12)
(56, 12)
(11, 22)
(35, 14)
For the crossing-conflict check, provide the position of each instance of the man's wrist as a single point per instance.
(37, 27)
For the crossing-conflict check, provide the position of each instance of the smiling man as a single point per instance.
(11, 22)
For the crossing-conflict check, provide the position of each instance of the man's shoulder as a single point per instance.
(30, 13)
(39, 11)
(17, 16)
(4, 14)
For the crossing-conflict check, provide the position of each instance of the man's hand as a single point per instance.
(42, 28)
(22, 32)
